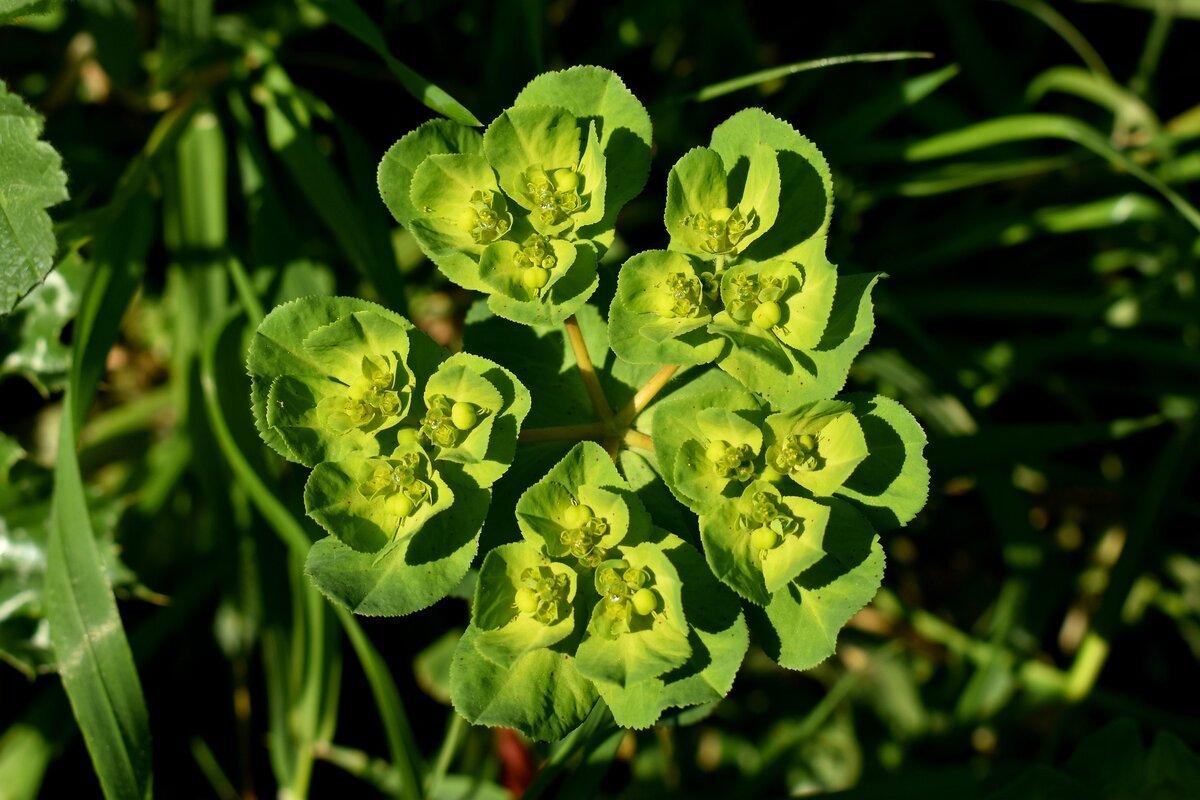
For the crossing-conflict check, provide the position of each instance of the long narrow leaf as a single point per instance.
(1026, 127)
(713, 91)
(291, 138)
(95, 662)
(349, 17)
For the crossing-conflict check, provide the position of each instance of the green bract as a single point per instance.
(523, 212)
(596, 584)
(717, 208)
(404, 441)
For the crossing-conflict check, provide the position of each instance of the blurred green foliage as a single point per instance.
(1030, 190)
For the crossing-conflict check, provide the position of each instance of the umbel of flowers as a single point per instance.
(523, 211)
(742, 335)
(402, 439)
(593, 600)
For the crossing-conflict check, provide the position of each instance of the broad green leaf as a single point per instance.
(717, 637)
(31, 181)
(340, 347)
(819, 373)
(800, 626)
(641, 472)
(654, 643)
(892, 484)
(818, 445)
(806, 187)
(542, 694)
(348, 16)
(31, 336)
(277, 351)
(16, 10)
(650, 323)
(417, 572)
(402, 159)
(624, 128)
(717, 207)
(507, 632)
(798, 527)
(356, 500)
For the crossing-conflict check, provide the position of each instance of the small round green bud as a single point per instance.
(763, 538)
(808, 441)
(577, 516)
(720, 214)
(464, 416)
(715, 450)
(644, 601)
(408, 436)
(535, 277)
(526, 600)
(767, 315)
(565, 180)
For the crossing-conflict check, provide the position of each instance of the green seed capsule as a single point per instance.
(644, 601)
(526, 600)
(763, 538)
(720, 214)
(767, 315)
(464, 416)
(808, 441)
(715, 450)
(408, 436)
(577, 516)
(535, 277)
(402, 505)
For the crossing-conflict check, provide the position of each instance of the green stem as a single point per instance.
(455, 734)
(587, 369)
(563, 433)
(645, 395)
(639, 440)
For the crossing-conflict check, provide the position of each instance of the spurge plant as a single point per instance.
(731, 494)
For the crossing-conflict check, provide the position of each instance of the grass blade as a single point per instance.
(723, 88)
(95, 662)
(349, 17)
(290, 135)
(1027, 127)
(402, 745)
